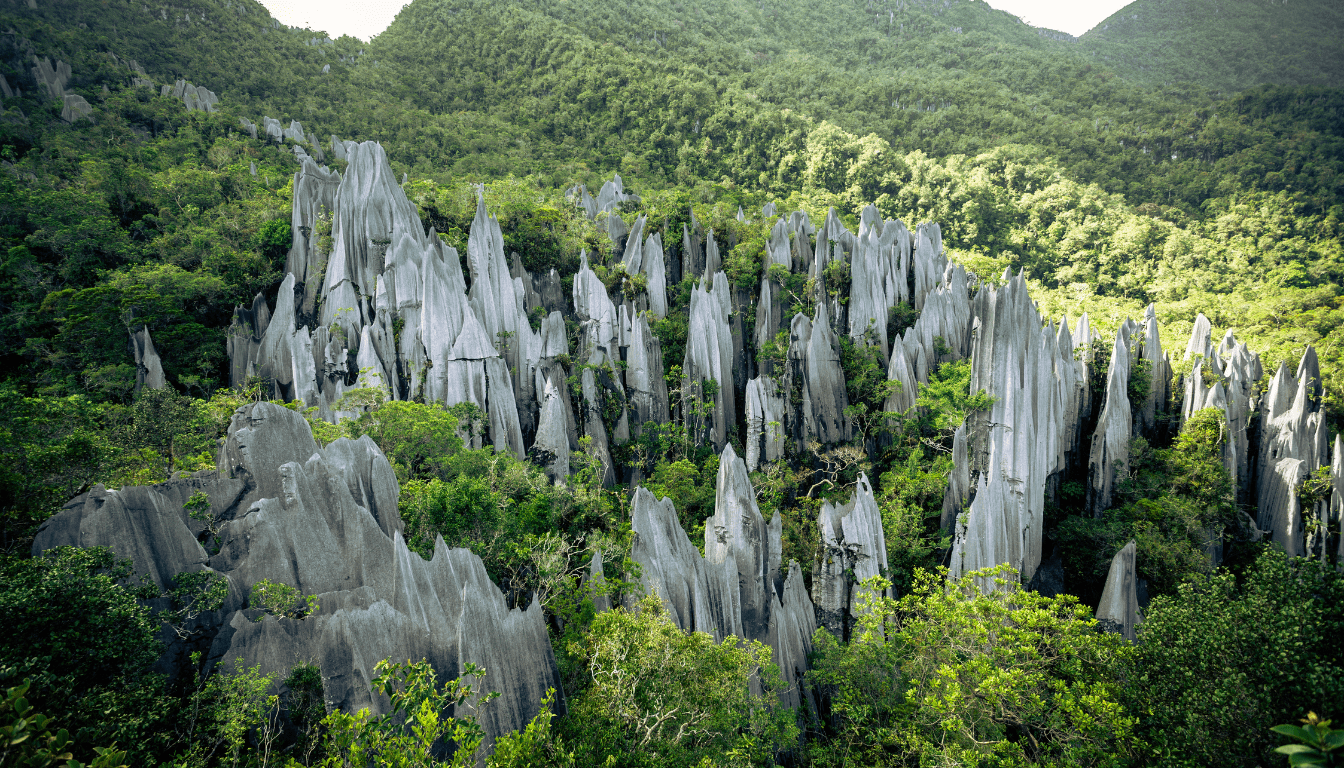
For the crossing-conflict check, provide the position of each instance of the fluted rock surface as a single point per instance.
(854, 548)
(148, 366)
(814, 359)
(709, 358)
(1014, 445)
(1109, 459)
(766, 412)
(324, 521)
(1119, 608)
(737, 589)
(737, 535)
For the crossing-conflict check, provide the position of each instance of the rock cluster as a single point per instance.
(196, 98)
(854, 548)
(737, 588)
(52, 79)
(324, 521)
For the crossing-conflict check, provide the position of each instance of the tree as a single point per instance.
(972, 672)
(1222, 661)
(659, 696)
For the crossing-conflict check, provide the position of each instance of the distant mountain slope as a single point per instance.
(1226, 45)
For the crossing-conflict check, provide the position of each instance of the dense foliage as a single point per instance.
(1111, 186)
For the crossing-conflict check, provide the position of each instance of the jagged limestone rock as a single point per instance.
(709, 358)
(644, 378)
(1119, 609)
(1109, 458)
(958, 482)
(766, 413)
(1200, 337)
(251, 129)
(244, 341)
(854, 548)
(552, 436)
(138, 522)
(737, 534)
(794, 623)
(823, 380)
(1292, 430)
(314, 199)
(903, 396)
(319, 521)
(1335, 512)
(672, 568)
(1280, 512)
(370, 209)
(1013, 446)
(597, 581)
(51, 78)
(1154, 404)
(148, 367)
(271, 127)
(74, 107)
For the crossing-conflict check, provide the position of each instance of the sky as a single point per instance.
(365, 18)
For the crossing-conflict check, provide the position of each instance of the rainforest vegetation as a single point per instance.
(1194, 183)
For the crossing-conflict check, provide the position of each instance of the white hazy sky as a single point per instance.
(365, 18)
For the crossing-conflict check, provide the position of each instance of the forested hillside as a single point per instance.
(406, 264)
(1225, 46)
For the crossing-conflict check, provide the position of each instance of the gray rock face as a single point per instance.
(736, 589)
(323, 521)
(74, 108)
(854, 548)
(1335, 512)
(148, 367)
(1109, 458)
(196, 98)
(958, 482)
(1154, 405)
(552, 433)
(313, 203)
(50, 78)
(644, 379)
(814, 356)
(244, 341)
(271, 127)
(1119, 608)
(766, 414)
(1293, 444)
(737, 536)
(697, 599)
(903, 397)
(370, 210)
(709, 357)
(251, 129)
(1015, 444)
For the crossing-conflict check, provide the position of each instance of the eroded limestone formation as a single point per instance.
(854, 548)
(1119, 608)
(324, 521)
(737, 588)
